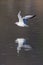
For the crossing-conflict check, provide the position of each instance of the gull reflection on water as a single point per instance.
(22, 43)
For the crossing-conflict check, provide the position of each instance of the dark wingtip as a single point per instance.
(33, 16)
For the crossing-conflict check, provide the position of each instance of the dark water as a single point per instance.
(9, 32)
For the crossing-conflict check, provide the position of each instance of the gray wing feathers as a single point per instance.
(28, 16)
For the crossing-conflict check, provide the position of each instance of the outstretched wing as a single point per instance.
(19, 16)
(27, 46)
(28, 16)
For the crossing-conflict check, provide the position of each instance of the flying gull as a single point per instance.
(23, 20)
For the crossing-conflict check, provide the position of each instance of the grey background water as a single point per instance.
(9, 32)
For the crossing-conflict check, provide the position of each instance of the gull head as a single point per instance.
(16, 23)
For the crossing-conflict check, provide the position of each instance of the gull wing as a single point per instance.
(27, 46)
(28, 16)
(19, 16)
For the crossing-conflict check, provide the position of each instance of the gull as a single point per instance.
(22, 44)
(23, 20)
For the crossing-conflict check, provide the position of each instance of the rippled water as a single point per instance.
(9, 32)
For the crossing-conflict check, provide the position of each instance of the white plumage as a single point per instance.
(21, 20)
(21, 44)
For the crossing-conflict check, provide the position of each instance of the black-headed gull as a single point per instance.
(22, 44)
(23, 20)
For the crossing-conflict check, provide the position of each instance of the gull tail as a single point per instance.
(26, 25)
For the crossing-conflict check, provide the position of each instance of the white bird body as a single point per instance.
(20, 42)
(21, 22)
